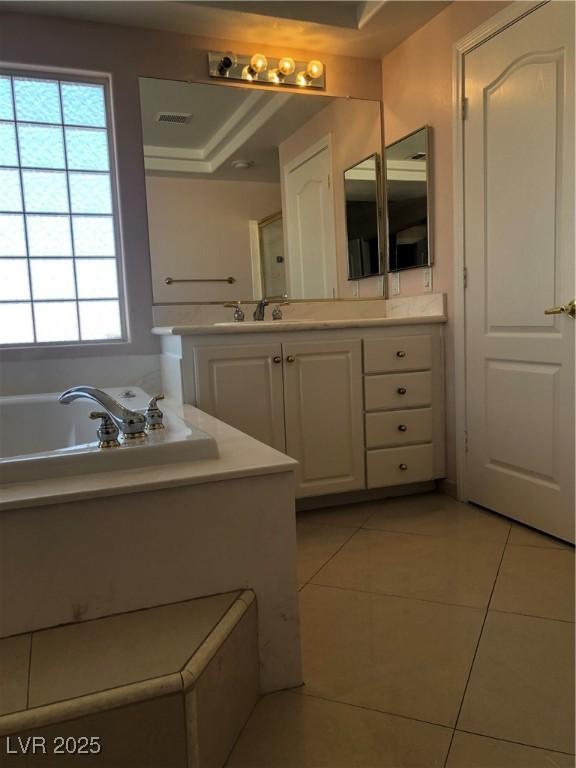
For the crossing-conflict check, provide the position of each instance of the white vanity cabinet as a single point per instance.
(301, 397)
(360, 406)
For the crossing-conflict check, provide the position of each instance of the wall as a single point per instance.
(200, 227)
(356, 132)
(127, 54)
(417, 90)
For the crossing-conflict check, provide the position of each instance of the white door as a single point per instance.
(310, 236)
(519, 252)
(324, 417)
(242, 385)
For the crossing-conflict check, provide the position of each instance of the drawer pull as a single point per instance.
(290, 359)
(402, 427)
(400, 353)
(401, 390)
(277, 359)
(403, 467)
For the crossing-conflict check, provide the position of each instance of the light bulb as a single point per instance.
(275, 76)
(226, 63)
(247, 73)
(258, 62)
(286, 65)
(302, 79)
(315, 69)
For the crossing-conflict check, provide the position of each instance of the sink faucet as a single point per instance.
(260, 309)
(130, 423)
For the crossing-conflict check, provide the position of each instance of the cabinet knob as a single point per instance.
(277, 359)
(400, 353)
(403, 467)
(290, 358)
(402, 427)
(401, 390)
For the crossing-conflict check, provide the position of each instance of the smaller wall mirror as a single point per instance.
(363, 218)
(408, 201)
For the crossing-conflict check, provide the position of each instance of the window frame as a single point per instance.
(105, 80)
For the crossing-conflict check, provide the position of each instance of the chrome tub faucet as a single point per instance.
(130, 423)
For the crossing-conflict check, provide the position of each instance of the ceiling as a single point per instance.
(226, 124)
(342, 27)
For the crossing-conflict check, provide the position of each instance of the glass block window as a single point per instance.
(59, 259)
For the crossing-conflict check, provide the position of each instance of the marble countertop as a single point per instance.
(240, 456)
(285, 326)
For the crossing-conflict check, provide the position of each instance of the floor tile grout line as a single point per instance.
(511, 741)
(477, 646)
(531, 615)
(301, 692)
(400, 597)
(306, 583)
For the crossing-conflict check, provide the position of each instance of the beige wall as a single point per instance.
(200, 228)
(127, 54)
(417, 90)
(356, 132)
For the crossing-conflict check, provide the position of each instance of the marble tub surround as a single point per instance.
(239, 456)
(193, 665)
(355, 309)
(147, 537)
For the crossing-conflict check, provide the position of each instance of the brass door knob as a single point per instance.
(400, 353)
(564, 309)
(290, 358)
(277, 359)
(402, 427)
(401, 390)
(403, 467)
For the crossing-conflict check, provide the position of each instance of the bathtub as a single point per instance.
(40, 438)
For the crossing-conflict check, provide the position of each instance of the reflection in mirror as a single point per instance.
(363, 214)
(245, 190)
(407, 191)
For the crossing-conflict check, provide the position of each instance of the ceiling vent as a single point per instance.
(178, 118)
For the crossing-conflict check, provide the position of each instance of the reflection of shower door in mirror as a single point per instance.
(310, 236)
(271, 246)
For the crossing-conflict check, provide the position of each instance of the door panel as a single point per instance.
(309, 212)
(519, 250)
(242, 385)
(324, 421)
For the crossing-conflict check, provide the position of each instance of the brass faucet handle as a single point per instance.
(154, 416)
(107, 432)
(154, 400)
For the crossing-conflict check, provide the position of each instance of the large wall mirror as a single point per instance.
(246, 190)
(408, 201)
(362, 189)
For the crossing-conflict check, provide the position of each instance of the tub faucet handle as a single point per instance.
(154, 416)
(107, 432)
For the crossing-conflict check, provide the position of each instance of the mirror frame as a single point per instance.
(382, 226)
(429, 207)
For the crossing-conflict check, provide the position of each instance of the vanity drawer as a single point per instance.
(398, 427)
(398, 390)
(397, 466)
(397, 353)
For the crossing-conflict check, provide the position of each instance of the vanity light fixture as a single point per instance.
(258, 64)
(226, 63)
(314, 70)
(257, 68)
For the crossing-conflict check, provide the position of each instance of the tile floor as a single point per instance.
(433, 634)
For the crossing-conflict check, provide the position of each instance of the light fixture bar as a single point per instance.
(257, 68)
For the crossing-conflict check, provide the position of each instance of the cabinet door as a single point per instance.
(324, 421)
(242, 385)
